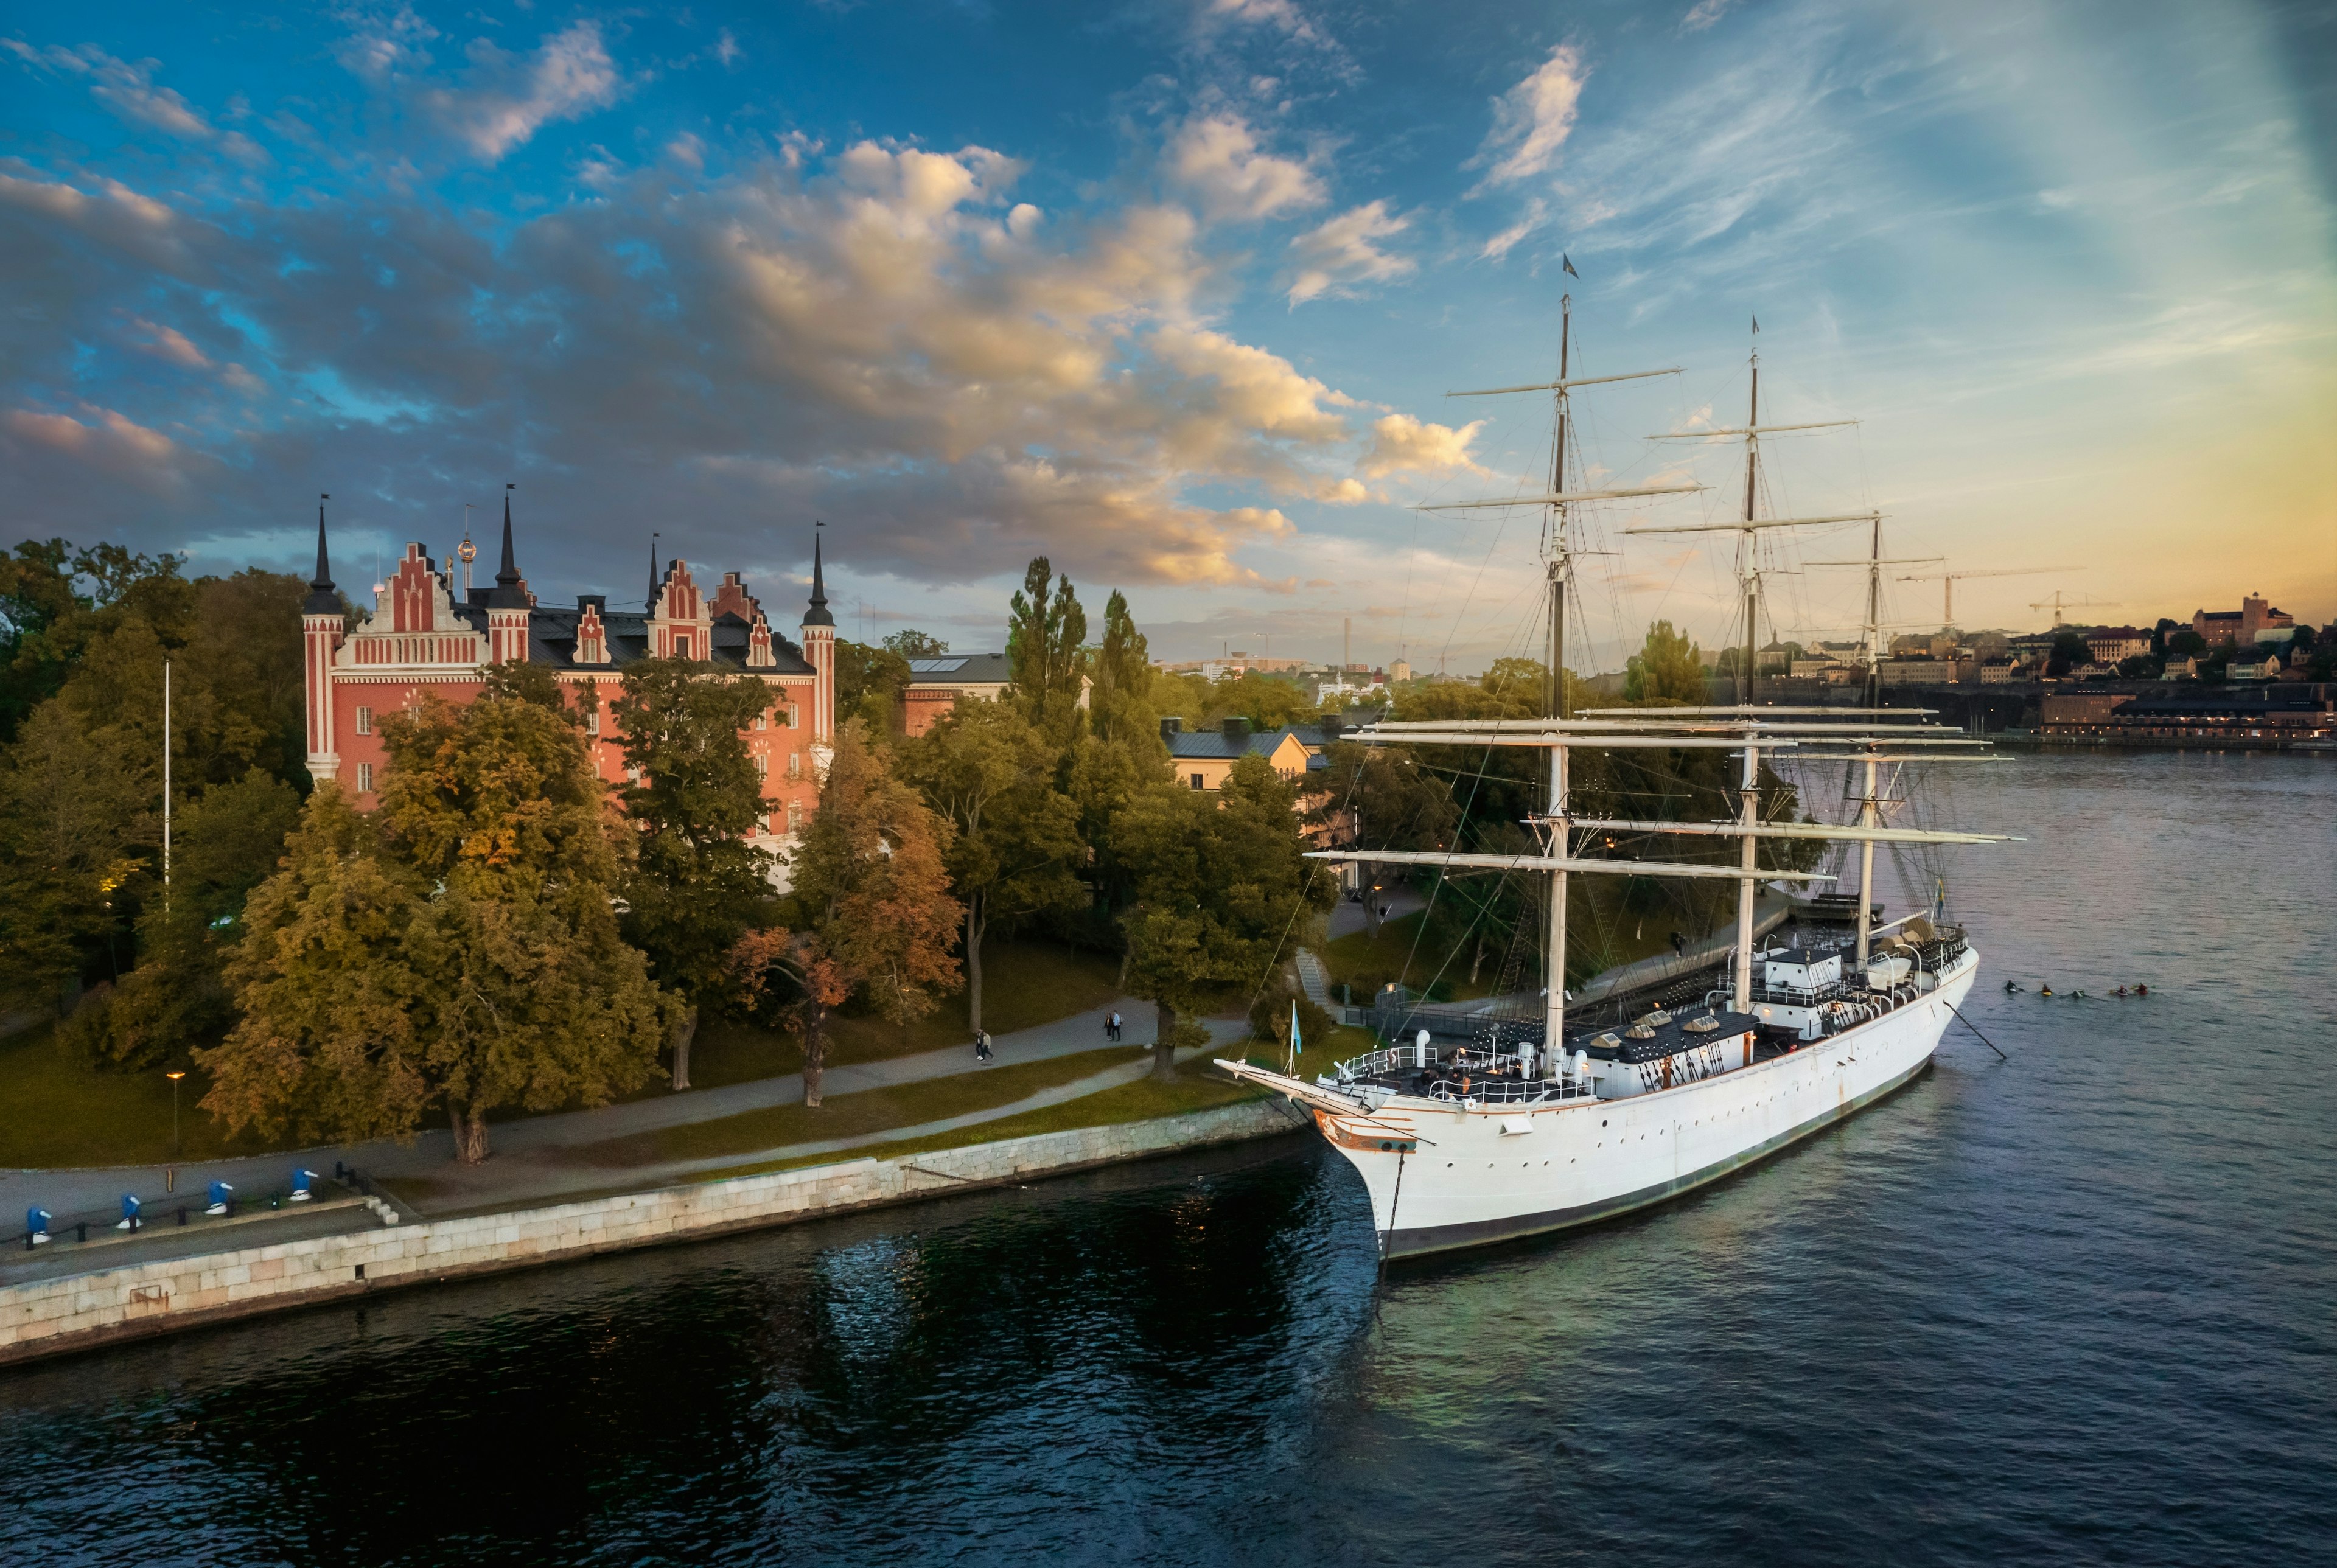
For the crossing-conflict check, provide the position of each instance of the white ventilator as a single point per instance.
(1420, 1050)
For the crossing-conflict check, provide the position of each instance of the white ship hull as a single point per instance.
(1492, 1172)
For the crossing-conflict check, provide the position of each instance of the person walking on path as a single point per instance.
(1111, 1027)
(981, 1047)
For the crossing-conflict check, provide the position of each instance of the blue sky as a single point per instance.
(1171, 293)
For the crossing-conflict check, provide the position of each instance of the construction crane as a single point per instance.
(1947, 579)
(2061, 600)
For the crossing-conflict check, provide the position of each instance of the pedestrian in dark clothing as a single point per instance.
(1678, 945)
(982, 1045)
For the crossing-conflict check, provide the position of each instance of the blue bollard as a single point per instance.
(36, 1227)
(222, 1198)
(129, 1221)
(300, 1180)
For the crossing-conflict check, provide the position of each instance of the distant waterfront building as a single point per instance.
(2113, 643)
(2248, 666)
(418, 638)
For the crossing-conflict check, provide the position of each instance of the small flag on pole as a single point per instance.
(1567, 262)
(1292, 1068)
(1756, 324)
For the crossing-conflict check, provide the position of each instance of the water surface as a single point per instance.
(2075, 1308)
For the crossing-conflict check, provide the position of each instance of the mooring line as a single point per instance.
(1975, 1030)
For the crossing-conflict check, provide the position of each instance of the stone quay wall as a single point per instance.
(52, 1316)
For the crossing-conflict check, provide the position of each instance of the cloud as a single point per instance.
(112, 442)
(127, 90)
(168, 343)
(726, 48)
(1532, 120)
(567, 78)
(1345, 251)
(1216, 158)
(1402, 444)
(1501, 244)
(1704, 13)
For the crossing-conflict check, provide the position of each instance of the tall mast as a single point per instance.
(1874, 638)
(1750, 563)
(1554, 1003)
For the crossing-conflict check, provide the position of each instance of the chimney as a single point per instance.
(1170, 728)
(1237, 732)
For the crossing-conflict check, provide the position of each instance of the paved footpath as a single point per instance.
(531, 1150)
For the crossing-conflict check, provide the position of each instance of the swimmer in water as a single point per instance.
(2119, 992)
(2142, 990)
(2011, 986)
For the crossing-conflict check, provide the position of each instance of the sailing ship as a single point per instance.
(1540, 1124)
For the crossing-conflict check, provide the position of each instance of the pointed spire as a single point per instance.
(817, 614)
(507, 593)
(651, 606)
(321, 600)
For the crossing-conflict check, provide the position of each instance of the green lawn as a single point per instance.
(55, 1112)
(1199, 1088)
(851, 1115)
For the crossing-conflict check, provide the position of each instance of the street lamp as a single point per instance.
(174, 1078)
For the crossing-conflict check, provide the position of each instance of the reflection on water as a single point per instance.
(2073, 1308)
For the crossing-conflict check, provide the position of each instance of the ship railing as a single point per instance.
(1509, 1091)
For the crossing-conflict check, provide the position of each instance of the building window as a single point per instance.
(365, 721)
(632, 775)
(681, 647)
(592, 719)
(795, 815)
(792, 719)
(1198, 783)
(795, 764)
(762, 767)
(364, 778)
(761, 719)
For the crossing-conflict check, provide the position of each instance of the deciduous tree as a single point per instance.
(1221, 885)
(458, 949)
(870, 878)
(1668, 668)
(696, 883)
(990, 773)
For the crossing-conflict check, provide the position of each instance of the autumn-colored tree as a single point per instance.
(1045, 652)
(772, 959)
(1221, 884)
(870, 875)
(990, 773)
(457, 949)
(697, 881)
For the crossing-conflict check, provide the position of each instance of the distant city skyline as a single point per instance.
(1171, 293)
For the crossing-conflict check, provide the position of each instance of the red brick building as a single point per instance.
(425, 634)
(2241, 628)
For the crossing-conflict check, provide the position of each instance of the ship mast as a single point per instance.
(1557, 546)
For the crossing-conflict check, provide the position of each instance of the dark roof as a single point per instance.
(961, 669)
(2212, 702)
(1202, 746)
(817, 614)
(552, 640)
(321, 600)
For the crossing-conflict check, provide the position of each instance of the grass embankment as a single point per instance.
(1024, 985)
(54, 1111)
(862, 1112)
(1604, 929)
(1197, 1087)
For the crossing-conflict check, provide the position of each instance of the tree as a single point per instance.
(1122, 706)
(870, 878)
(1668, 668)
(1045, 656)
(910, 643)
(1388, 799)
(696, 882)
(1221, 885)
(2068, 652)
(177, 999)
(80, 809)
(991, 775)
(457, 949)
(869, 682)
(1268, 701)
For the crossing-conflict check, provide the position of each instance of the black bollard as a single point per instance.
(183, 1214)
(80, 1231)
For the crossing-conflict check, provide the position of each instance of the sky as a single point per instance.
(1171, 293)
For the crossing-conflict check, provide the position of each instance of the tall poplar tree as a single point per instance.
(1045, 651)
